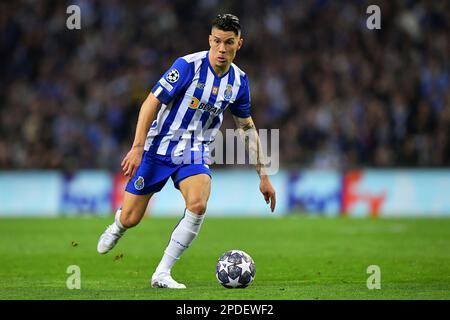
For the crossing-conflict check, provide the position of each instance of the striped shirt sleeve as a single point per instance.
(174, 80)
(241, 107)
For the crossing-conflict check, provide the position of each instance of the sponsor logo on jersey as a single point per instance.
(173, 75)
(139, 183)
(196, 104)
(209, 108)
(215, 90)
(201, 85)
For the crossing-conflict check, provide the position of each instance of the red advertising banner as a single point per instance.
(353, 194)
(119, 183)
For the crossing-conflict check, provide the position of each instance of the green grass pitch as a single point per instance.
(296, 257)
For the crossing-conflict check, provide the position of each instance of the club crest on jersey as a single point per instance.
(228, 92)
(139, 183)
(173, 75)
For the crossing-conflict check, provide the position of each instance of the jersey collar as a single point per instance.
(212, 69)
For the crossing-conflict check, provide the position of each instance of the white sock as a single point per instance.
(182, 236)
(117, 222)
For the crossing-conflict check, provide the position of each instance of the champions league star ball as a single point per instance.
(235, 269)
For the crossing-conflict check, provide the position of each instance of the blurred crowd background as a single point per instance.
(342, 96)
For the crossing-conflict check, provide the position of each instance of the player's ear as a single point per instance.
(240, 42)
(210, 39)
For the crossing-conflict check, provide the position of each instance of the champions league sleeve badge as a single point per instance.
(173, 75)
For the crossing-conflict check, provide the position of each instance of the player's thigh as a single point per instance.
(134, 206)
(196, 190)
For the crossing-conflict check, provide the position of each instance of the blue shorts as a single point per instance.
(155, 170)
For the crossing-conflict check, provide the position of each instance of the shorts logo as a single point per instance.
(228, 92)
(139, 183)
(173, 75)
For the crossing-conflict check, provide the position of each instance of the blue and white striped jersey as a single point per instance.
(193, 100)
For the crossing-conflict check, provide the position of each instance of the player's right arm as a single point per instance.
(147, 114)
(166, 89)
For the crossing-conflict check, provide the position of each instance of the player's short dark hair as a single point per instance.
(227, 22)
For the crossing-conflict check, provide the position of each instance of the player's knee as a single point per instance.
(197, 206)
(130, 220)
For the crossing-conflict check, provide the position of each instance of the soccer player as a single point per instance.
(185, 109)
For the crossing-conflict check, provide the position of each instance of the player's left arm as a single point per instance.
(247, 130)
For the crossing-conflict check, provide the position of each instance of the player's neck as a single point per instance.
(219, 71)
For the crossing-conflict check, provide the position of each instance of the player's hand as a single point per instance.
(132, 161)
(268, 192)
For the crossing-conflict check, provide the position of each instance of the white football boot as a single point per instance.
(165, 280)
(109, 238)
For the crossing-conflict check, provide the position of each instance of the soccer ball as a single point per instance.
(235, 269)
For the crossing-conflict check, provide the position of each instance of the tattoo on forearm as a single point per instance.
(254, 148)
(248, 126)
(138, 146)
